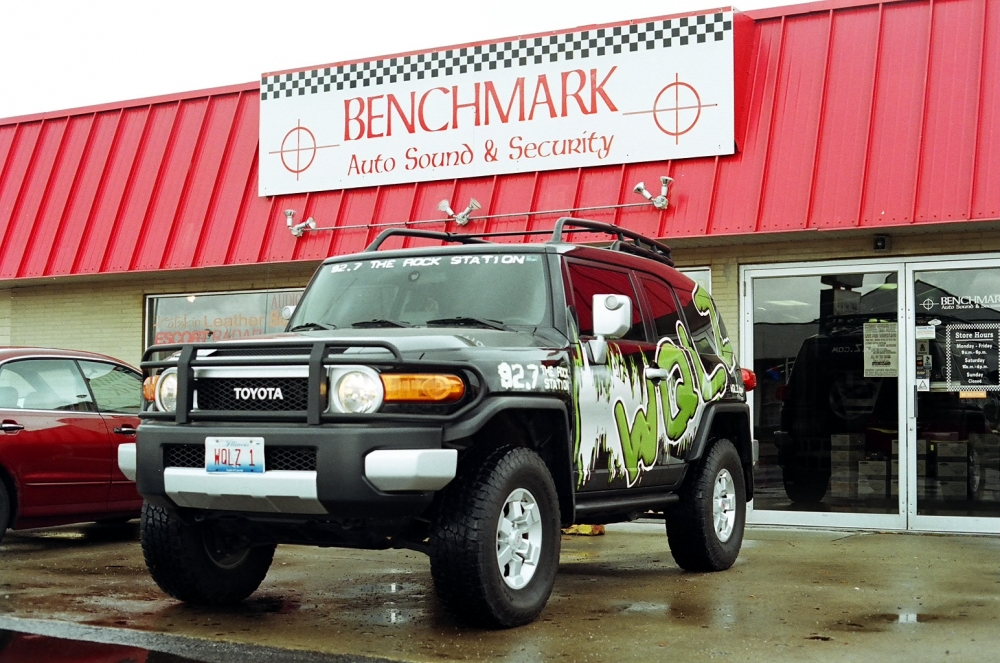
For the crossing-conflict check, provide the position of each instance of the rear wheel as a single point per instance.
(494, 547)
(705, 529)
(198, 563)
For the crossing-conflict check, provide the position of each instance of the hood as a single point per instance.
(420, 339)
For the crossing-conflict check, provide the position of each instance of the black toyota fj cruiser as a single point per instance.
(464, 400)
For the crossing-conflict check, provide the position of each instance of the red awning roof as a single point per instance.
(851, 116)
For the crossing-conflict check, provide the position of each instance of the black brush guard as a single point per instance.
(320, 355)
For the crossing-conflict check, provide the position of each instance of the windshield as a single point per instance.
(484, 290)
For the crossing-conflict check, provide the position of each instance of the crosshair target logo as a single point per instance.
(676, 109)
(298, 149)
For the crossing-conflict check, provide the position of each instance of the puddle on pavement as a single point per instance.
(28, 648)
(883, 621)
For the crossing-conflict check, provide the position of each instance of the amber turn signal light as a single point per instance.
(149, 387)
(422, 388)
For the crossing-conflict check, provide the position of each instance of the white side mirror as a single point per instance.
(287, 311)
(612, 315)
(612, 319)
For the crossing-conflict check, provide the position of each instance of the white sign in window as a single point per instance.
(648, 91)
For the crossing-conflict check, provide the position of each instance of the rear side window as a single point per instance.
(115, 388)
(662, 305)
(587, 281)
(699, 323)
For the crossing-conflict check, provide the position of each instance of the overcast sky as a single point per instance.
(64, 54)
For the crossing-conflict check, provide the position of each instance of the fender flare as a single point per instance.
(495, 405)
(744, 443)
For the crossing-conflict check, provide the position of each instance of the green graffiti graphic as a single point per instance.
(668, 410)
(703, 302)
(711, 385)
(679, 392)
(639, 441)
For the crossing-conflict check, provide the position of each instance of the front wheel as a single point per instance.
(199, 563)
(494, 547)
(705, 529)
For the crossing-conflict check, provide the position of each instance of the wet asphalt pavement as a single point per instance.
(792, 596)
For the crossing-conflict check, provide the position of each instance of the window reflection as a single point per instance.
(958, 415)
(826, 357)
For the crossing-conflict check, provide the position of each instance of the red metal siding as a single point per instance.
(838, 173)
(950, 117)
(794, 126)
(849, 114)
(985, 202)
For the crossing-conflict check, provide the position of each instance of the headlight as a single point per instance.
(356, 390)
(166, 391)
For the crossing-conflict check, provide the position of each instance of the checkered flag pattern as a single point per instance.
(570, 46)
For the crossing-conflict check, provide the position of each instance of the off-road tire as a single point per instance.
(464, 538)
(805, 484)
(5, 509)
(691, 527)
(178, 559)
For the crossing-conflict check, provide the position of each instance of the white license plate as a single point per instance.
(234, 454)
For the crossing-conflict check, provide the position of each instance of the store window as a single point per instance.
(206, 317)
(826, 406)
(700, 275)
(957, 344)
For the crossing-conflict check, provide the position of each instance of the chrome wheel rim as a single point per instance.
(724, 505)
(519, 538)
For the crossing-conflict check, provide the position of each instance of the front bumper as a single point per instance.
(360, 471)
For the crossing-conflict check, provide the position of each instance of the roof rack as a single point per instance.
(626, 241)
(640, 245)
(459, 238)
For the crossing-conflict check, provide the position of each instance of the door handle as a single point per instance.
(125, 430)
(11, 427)
(656, 374)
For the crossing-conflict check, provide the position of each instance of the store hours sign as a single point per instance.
(972, 353)
(648, 91)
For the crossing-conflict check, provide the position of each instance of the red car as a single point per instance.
(62, 415)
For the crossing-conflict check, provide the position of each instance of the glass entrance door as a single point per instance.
(954, 405)
(829, 402)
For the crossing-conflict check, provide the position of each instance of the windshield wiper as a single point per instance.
(469, 322)
(379, 322)
(312, 326)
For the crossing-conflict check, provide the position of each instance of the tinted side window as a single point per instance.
(587, 281)
(45, 384)
(115, 388)
(663, 306)
(700, 326)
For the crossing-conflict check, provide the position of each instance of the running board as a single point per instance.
(625, 503)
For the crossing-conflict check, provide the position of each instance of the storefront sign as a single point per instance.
(972, 354)
(881, 350)
(649, 91)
